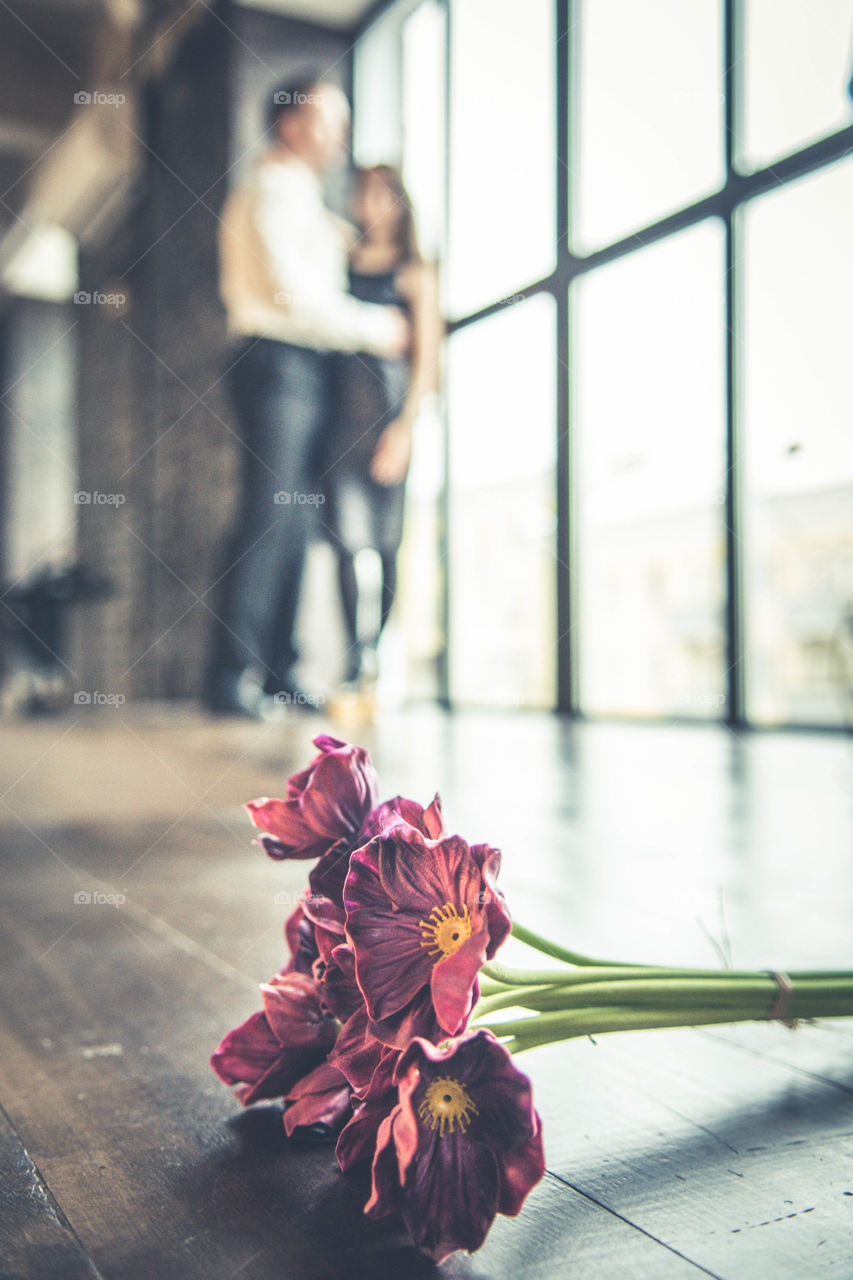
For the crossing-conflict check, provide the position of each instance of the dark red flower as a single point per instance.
(267, 1054)
(334, 964)
(300, 937)
(423, 916)
(401, 812)
(340, 990)
(327, 877)
(326, 803)
(328, 923)
(320, 1100)
(357, 1052)
(462, 1144)
(358, 1139)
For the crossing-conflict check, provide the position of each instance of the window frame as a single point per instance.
(738, 190)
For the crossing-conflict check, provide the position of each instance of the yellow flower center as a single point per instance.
(445, 930)
(446, 1104)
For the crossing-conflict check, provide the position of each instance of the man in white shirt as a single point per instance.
(283, 277)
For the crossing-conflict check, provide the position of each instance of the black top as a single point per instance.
(370, 391)
(380, 287)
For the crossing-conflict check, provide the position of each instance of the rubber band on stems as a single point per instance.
(782, 1001)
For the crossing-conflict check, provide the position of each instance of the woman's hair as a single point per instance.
(406, 233)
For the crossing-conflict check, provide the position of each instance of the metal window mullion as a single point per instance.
(740, 189)
(566, 699)
(445, 657)
(734, 649)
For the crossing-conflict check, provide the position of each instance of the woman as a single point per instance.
(377, 403)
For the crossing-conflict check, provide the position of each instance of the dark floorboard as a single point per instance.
(724, 1152)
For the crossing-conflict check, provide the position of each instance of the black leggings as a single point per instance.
(280, 394)
(348, 581)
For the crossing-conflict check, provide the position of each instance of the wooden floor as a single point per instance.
(726, 1153)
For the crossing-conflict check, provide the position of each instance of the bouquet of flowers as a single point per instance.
(392, 1027)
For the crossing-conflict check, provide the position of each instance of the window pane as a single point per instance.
(502, 149)
(798, 442)
(502, 507)
(424, 44)
(377, 127)
(797, 67)
(40, 377)
(649, 133)
(399, 70)
(648, 414)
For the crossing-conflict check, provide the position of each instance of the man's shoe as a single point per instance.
(242, 696)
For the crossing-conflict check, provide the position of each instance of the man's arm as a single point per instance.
(316, 304)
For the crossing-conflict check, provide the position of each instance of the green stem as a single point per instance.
(585, 997)
(516, 997)
(553, 949)
(687, 992)
(822, 998)
(488, 987)
(503, 977)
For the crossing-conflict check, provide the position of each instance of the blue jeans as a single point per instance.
(281, 396)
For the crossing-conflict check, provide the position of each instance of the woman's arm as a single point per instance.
(419, 285)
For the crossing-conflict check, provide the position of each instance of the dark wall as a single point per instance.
(281, 50)
(155, 422)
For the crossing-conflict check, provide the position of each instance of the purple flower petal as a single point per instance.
(401, 813)
(357, 1053)
(294, 1012)
(326, 803)
(320, 1098)
(462, 1144)
(358, 1140)
(422, 913)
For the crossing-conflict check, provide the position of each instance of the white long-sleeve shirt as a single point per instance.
(283, 265)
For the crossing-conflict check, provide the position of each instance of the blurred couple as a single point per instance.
(336, 334)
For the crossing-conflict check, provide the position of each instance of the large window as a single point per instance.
(648, 268)
(502, 520)
(501, 150)
(798, 449)
(647, 113)
(648, 408)
(400, 95)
